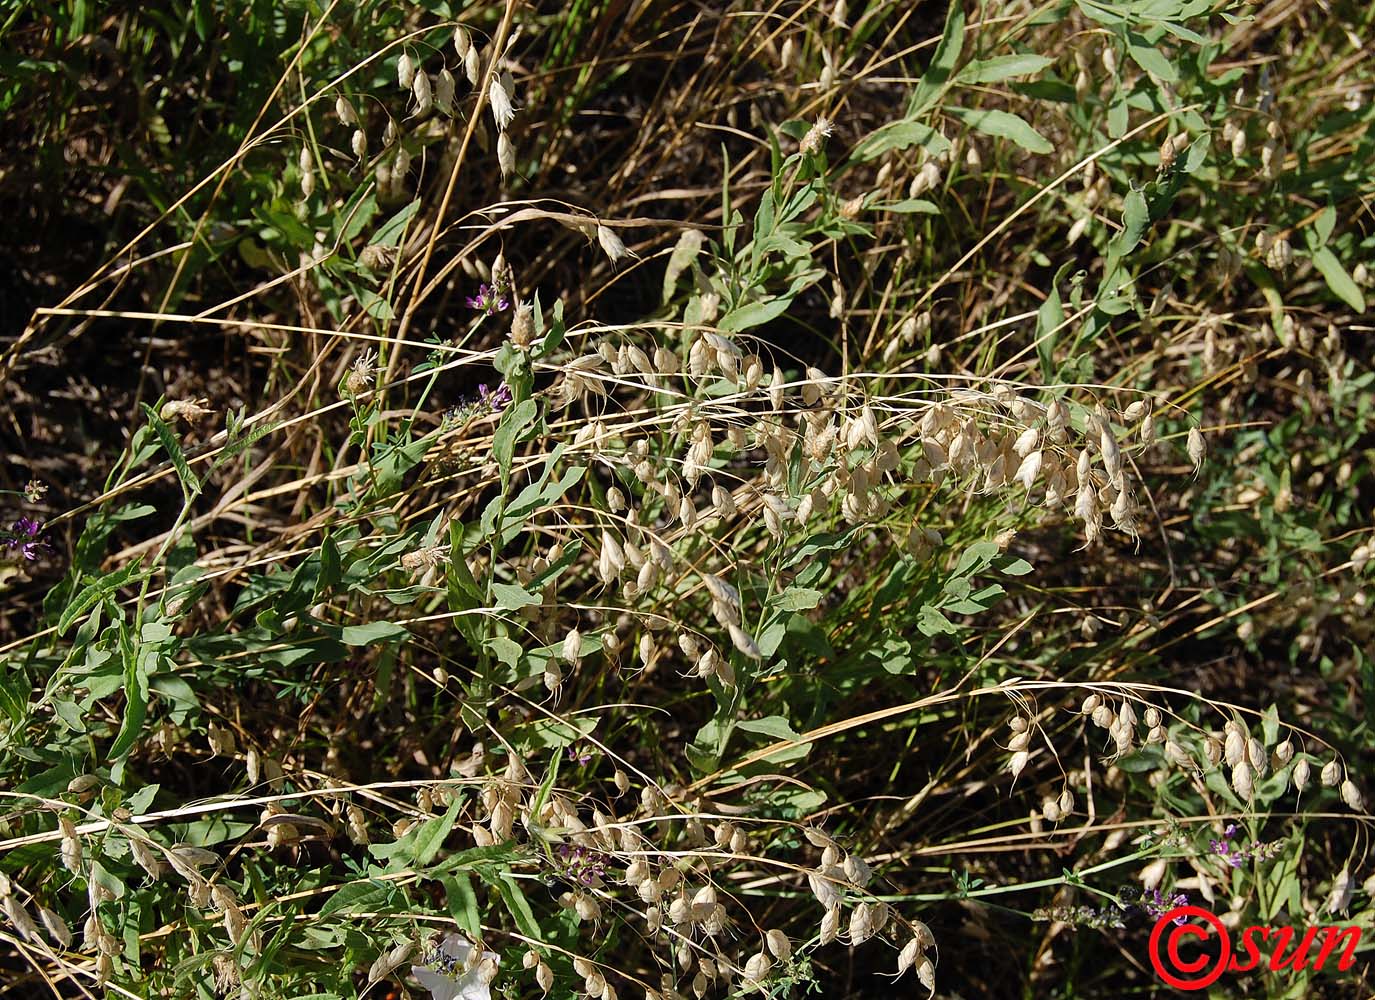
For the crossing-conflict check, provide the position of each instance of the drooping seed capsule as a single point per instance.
(1331, 774)
(1351, 795)
(444, 89)
(405, 71)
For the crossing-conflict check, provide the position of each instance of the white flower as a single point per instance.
(449, 978)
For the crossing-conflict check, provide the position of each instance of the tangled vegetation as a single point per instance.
(632, 499)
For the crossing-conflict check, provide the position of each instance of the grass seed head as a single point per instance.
(503, 111)
(405, 71)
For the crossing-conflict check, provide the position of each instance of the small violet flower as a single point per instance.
(490, 299)
(498, 400)
(25, 535)
(1157, 904)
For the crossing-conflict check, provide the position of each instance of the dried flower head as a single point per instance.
(816, 135)
(186, 410)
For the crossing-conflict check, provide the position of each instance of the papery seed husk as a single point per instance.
(779, 944)
(424, 93)
(405, 71)
(926, 972)
(56, 927)
(1351, 795)
(1242, 780)
(1302, 771)
(830, 925)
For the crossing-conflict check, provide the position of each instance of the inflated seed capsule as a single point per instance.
(405, 71)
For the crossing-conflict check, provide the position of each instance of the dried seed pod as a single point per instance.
(56, 927)
(1331, 774)
(757, 968)
(19, 917)
(744, 642)
(83, 784)
(405, 71)
(472, 66)
(1212, 750)
(1196, 448)
(71, 846)
(1351, 795)
(503, 111)
(830, 925)
(612, 245)
(926, 972)
(778, 944)
(1153, 873)
(423, 92)
(506, 155)
(1242, 780)
(857, 871)
(1302, 772)
(445, 86)
(1234, 749)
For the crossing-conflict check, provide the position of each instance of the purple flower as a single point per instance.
(577, 756)
(24, 535)
(489, 299)
(1157, 904)
(498, 400)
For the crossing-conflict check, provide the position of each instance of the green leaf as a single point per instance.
(900, 135)
(361, 897)
(947, 56)
(519, 907)
(1136, 219)
(189, 483)
(1017, 567)
(371, 633)
(513, 421)
(1151, 60)
(430, 837)
(798, 599)
(1323, 226)
(775, 726)
(510, 597)
(753, 314)
(1050, 321)
(1003, 68)
(14, 695)
(463, 906)
(910, 205)
(931, 622)
(390, 232)
(507, 650)
(976, 557)
(1197, 154)
(1337, 279)
(1004, 125)
(135, 701)
(555, 733)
